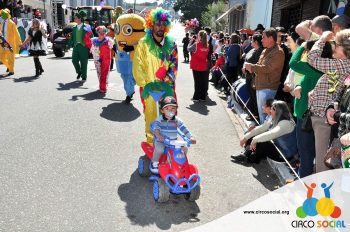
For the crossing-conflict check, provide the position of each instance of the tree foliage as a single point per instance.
(191, 8)
(214, 11)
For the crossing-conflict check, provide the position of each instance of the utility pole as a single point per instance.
(134, 6)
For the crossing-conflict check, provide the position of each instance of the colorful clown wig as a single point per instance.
(101, 29)
(156, 16)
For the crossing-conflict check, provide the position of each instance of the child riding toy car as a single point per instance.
(170, 166)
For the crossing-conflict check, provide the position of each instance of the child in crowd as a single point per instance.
(267, 109)
(168, 124)
(215, 70)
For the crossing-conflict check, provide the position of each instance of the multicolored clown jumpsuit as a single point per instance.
(101, 52)
(154, 62)
(10, 33)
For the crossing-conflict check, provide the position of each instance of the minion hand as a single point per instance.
(128, 48)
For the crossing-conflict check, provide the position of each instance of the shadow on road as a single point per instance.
(95, 95)
(60, 58)
(142, 210)
(202, 107)
(120, 112)
(5, 77)
(199, 107)
(264, 174)
(25, 79)
(70, 85)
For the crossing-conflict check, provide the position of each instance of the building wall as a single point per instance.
(258, 12)
(237, 16)
(308, 10)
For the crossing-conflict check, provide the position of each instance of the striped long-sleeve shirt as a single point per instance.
(322, 98)
(170, 128)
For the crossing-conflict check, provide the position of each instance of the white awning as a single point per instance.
(234, 6)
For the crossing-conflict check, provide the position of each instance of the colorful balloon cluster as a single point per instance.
(191, 24)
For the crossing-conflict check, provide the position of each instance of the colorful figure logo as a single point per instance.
(313, 206)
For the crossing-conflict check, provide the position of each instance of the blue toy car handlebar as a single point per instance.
(174, 184)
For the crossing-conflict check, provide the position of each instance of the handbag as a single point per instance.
(307, 124)
(332, 159)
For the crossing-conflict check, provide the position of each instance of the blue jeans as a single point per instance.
(261, 96)
(306, 150)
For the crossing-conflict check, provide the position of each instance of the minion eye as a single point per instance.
(127, 29)
(117, 28)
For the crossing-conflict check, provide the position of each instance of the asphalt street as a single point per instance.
(68, 155)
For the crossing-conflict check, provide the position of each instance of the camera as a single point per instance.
(284, 38)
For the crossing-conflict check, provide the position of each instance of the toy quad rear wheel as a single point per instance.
(143, 166)
(194, 194)
(160, 191)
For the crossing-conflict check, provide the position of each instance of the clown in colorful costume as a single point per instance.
(79, 41)
(101, 51)
(129, 30)
(155, 61)
(10, 33)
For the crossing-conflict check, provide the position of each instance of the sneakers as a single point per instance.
(154, 167)
(79, 75)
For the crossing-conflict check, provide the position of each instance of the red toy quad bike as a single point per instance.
(176, 175)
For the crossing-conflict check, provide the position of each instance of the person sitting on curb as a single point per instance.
(281, 130)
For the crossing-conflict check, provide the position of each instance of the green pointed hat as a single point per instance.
(81, 14)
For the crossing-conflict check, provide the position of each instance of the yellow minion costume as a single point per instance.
(10, 33)
(129, 30)
(155, 64)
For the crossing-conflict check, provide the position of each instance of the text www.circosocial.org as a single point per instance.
(256, 212)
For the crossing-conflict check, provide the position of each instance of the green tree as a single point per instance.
(191, 8)
(212, 13)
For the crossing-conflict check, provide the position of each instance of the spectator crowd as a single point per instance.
(298, 82)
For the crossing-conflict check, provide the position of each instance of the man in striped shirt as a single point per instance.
(167, 125)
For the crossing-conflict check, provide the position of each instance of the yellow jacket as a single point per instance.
(12, 35)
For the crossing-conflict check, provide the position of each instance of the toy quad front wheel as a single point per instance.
(143, 166)
(160, 191)
(194, 194)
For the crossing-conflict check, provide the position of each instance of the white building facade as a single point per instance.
(249, 13)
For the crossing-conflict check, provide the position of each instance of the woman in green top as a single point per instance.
(305, 140)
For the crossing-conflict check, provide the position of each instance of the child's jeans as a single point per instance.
(158, 150)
